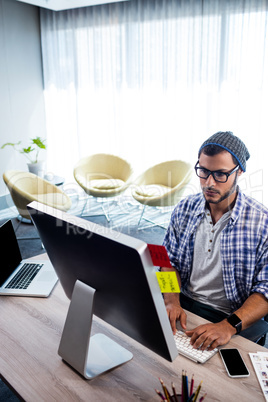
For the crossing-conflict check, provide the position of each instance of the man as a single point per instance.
(217, 242)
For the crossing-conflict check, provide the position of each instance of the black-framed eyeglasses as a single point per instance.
(217, 175)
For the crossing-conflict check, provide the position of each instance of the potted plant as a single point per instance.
(31, 153)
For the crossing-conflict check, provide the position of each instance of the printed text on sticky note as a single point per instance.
(168, 282)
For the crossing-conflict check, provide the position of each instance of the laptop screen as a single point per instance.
(10, 252)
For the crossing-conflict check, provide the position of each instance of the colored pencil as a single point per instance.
(161, 395)
(166, 393)
(186, 386)
(197, 392)
(174, 392)
(192, 385)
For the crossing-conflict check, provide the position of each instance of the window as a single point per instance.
(150, 80)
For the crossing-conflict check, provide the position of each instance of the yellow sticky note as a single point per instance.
(168, 282)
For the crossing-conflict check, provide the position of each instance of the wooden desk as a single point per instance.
(30, 334)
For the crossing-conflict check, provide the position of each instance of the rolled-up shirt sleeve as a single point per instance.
(260, 281)
(171, 244)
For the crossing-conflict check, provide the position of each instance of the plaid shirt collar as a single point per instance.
(240, 199)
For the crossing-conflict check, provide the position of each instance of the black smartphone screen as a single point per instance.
(234, 363)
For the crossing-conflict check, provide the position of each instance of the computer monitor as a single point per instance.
(108, 274)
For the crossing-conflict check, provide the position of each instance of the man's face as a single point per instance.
(214, 191)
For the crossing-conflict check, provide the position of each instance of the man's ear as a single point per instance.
(240, 171)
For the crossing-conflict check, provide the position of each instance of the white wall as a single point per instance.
(22, 110)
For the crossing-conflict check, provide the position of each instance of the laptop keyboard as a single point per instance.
(186, 349)
(24, 276)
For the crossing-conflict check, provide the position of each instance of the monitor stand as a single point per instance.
(89, 355)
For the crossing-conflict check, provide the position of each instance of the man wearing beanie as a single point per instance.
(217, 243)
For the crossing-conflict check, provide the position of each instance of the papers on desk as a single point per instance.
(260, 363)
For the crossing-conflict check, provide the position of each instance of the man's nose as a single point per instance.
(210, 181)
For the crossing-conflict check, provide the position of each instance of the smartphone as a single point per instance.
(233, 362)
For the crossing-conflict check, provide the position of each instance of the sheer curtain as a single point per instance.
(150, 80)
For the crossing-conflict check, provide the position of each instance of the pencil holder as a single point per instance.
(174, 399)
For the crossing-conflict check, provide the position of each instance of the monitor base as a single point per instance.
(89, 355)
(104, 354)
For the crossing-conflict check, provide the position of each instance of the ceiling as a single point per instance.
(58, 5)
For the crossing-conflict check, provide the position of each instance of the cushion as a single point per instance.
(106, 184)
(152, 190)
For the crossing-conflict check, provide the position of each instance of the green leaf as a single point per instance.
(27, 150)
(40, 143)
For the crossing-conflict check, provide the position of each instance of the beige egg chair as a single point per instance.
(162, 185)
(26, 187)
(102, 176)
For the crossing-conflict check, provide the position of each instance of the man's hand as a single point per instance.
(174, 310)
(210, 336)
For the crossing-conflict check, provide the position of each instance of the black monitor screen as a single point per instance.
(10, 252)
(118, 266)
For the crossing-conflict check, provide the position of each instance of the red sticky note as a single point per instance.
(159, 256)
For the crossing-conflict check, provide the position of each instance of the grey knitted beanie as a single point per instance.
(228, 141)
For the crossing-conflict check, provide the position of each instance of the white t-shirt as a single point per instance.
(206, 282)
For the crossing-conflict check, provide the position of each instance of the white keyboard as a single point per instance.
(186, 349)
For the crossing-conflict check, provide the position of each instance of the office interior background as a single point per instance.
(147, 80)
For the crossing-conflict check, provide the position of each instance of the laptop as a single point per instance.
(19, 277)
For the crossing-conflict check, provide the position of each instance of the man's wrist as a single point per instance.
(173, 298)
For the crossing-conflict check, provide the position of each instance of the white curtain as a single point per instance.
(150, 80)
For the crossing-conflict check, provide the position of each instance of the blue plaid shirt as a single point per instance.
(243, 243)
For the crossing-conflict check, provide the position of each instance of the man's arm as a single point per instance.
(212, 335)
(173, 306)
